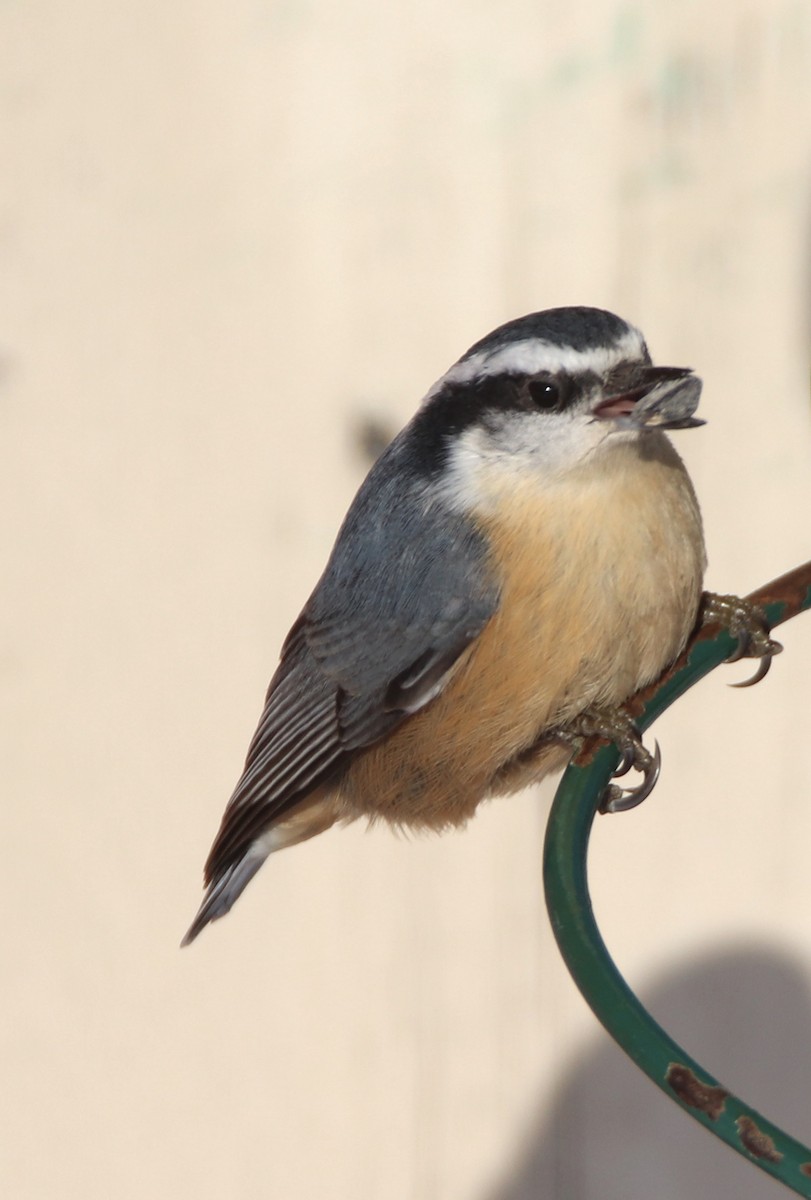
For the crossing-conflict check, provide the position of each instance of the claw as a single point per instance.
(755, 644)
(763, 668)
(625, 762)
(616, 725)
(739, 652)
(748, 624)
(623, 799)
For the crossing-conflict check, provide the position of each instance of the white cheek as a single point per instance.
(522, 448)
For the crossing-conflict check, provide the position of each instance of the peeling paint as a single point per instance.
(707, 1098)
(758, 1143)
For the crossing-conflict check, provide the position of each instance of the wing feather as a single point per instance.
(403, 596)
(286, 759)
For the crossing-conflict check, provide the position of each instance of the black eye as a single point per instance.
(546, 394)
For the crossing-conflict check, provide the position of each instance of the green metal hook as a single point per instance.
(604, 989)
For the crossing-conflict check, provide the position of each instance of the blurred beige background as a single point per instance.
(229, 234)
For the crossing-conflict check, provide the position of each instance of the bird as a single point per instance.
(523, 556)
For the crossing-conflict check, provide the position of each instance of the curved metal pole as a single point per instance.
(604, 989)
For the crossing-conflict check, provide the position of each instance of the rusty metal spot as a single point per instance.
(805, 1169)
(707, 1098)
(759, 1144)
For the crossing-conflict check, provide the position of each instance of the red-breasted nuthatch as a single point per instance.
(526, 554)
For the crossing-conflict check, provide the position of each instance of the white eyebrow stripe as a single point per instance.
(531, 355)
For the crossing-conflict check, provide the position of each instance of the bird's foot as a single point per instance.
(747, 623)
(617, 726)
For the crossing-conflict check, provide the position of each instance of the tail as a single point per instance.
(228, 881)
(228, 887)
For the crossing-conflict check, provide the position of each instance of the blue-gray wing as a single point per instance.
(407, 588)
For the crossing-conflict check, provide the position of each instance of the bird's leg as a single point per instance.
(744, 621)
(617, 726)
(747, 623)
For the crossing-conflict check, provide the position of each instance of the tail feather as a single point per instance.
(230, 881)
(226, 888)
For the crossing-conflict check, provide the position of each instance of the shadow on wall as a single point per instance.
(610, 1134)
